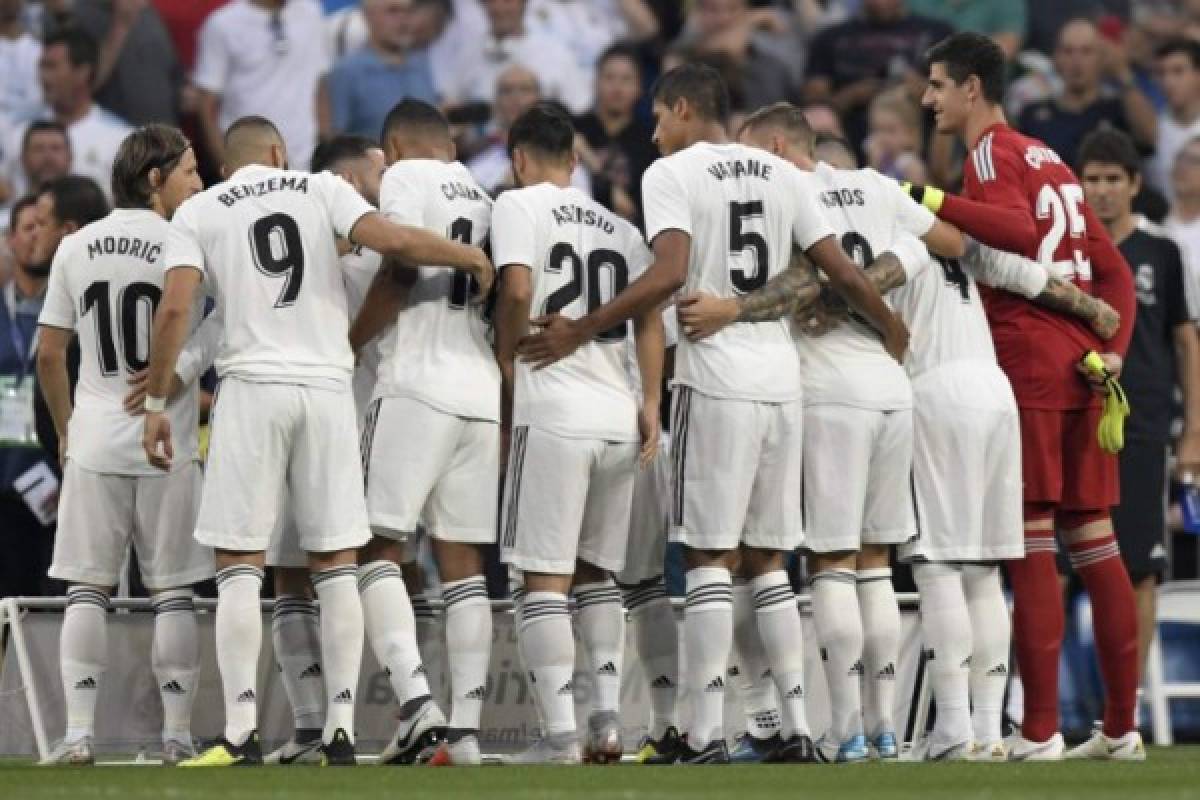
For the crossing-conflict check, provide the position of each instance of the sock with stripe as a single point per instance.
(175, 660)
(708, 638)
(783, 642)
(548, 646)
(991, 642)
(468, 648)
(840, 634)
(1114, 609)
(656, 632)
(881, 648)
(601, 621)
(341, 645)
(517, 593)
(238, 633)
(946, 630)
(83, 657)
(392, 629)
(760, 702)
(296, 637)
(1038, 622)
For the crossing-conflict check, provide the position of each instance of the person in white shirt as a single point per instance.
(1183, 223)
(263, 57)
(724, 218)
(263, 242)
(20, 93)
(111, 272)
(588, 27)
(575, 432)
(1178, 65)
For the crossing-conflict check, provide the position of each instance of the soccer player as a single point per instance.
(431, 444)
(726, 219)
(573, 449)
(1162, 354)
(1020, 197)
(111, 271)
(263, 241)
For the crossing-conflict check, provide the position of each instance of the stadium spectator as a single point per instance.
(1179, 75)
(364, 85)
(894, 137)
(262, 57)
(183, 19)
(852, 62)
(1002, 20)
(20, 93)
(45, 154)
(589, 27)
(1183, 223)
(616, 146)
(138, 76)
(1083, 60)
(1046, 19)
(509, 40)
(446, 28)
(824, 120)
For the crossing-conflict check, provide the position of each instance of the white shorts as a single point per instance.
(277, 443)
(649, 519)
(737, 472)
(857, 477)
(566, 500)
(427, 466)
(99, 516)
(966, 466)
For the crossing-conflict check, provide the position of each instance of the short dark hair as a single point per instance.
(252, 123)
(44, 126)
(1110, 146)
(965, 54)
(22, 203)
(76, 199)
(830, 139)
(413, 114)
(81, 46)
(345, 147)
(545, 129)
(149, 147)
(1183, 46)
(620, 49)
(788, 118)
(699, 84)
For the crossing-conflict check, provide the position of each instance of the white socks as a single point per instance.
(392, 629)
(783, 642)
(946, 631)
(992, 629)
(548, 650)
(881, 648)
(468, 648)
(175, 660)
(840, 632)
(239, 640)
(708, 634)
(83, 657)
(657, 634)
(296, 636)
(760, 702)
(602, 631)
(341, 645)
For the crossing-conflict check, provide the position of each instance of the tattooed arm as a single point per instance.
(885, 273)
(1067, 298)
(791, 290)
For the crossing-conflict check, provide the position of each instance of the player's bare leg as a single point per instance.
(83, 658)
(334, 578)
(1097, 560)
(468, 616)
(840, 634)
(296, 638)
(600, 618)
(392, 631)
(881, 646)
(175, 661)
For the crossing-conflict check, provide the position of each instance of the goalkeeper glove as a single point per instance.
(929, 196)
(1111, 433)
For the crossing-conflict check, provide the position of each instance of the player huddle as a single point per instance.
(807, 412)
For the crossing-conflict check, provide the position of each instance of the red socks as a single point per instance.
(1038, 621)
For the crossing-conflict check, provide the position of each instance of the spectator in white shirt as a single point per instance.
(447, 29)
(20, 93)
(1179, 74)
(588, 27)
(1183, 223)
(263, 57)
(509, 40)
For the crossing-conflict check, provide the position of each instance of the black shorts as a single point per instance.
(1141, 518)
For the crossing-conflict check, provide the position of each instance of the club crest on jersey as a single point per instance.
(1036, 156)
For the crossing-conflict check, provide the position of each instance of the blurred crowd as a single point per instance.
(75, 75)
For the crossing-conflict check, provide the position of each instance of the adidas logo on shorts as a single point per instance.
(999, 669)
(567, 688)
(474, 694)
(87, 683)
(794, 692)
(246, 696)
(609, 668)
(311, 671)
(172, 687)
(856, 669)
(344, 696)
(888, 673)
(662, 682)
(717, 684)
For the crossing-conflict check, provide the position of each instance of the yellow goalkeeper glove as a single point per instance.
(929, 196)
(1111, 433)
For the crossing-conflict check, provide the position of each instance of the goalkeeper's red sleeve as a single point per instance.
(1011, 229)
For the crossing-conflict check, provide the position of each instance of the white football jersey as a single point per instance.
(105, 283)
(265, 241)
(849, 365)
(581, 256)
(358, 270)
(743, 209)
(438, 350)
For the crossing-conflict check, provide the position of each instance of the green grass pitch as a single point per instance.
(1169, 773)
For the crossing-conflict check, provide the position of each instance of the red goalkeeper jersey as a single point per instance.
(1020, 196)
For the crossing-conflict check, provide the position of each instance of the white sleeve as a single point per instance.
(59, 309)
(513, 231)
(912, 254)
(1002, 270)
(809, 225)
(664, 201)
(344, 205)
(911, 216)
(640, 257)
(212, 58)
(201, 349)
(183, 241)
(401, 196)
